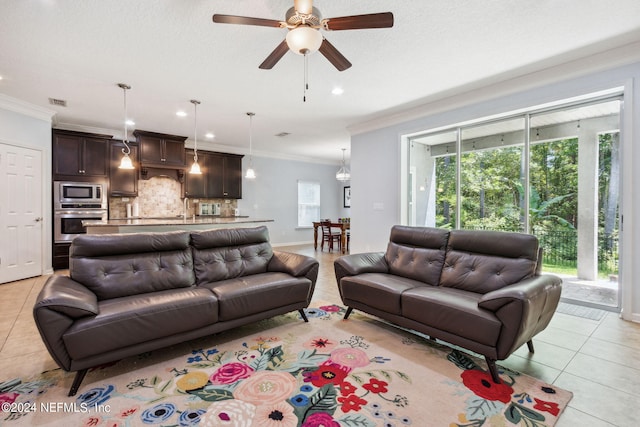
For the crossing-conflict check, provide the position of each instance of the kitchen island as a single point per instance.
(139, 225)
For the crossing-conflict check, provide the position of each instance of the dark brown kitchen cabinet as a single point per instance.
(221, 176)
(123, 182)
(60, 258)
(79, 156)
(160, 150)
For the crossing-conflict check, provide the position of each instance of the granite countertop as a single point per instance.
(193, 220)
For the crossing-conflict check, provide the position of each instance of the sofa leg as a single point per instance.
(493, 369)
(77, 381)
(304, 316)
(530, 346)
(346, 315)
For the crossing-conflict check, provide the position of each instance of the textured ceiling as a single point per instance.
(170, 52)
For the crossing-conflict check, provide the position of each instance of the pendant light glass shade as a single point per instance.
(250, 174)
(195, 167)
(343, 174)
(125, 162)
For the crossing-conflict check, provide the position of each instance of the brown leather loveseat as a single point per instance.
(480, 290)
(131, 293)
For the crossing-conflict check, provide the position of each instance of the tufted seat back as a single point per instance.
(483, 261)
(229, 253)
(417, 253)
(118, 265)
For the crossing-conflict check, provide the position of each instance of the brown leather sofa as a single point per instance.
(131, 293)
(480, 290)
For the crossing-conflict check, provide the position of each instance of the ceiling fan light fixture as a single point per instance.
(304, 40)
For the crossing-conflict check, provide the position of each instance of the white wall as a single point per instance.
(274, 195)
(28, 126)
(376, 154)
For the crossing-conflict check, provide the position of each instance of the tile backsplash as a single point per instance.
(162, 197)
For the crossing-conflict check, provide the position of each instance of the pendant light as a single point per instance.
(343, 173)
(125, 162)
(195, 167)
(251, 174)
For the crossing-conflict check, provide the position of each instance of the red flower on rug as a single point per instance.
(550, 407)
(481, 383)
(376, 386)
(351, 403)
(346, 388)
(326, 374)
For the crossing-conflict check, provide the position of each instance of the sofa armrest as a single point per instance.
(61, 301)
(66, 296)
(524, 309)
(294, 264)
(530, 289)
(368, 262)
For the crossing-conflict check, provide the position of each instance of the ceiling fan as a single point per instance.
(304, 23)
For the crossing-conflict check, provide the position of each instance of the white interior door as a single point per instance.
(20, 213)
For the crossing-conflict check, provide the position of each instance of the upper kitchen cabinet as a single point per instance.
(79, 156)
(123, 182)
(221, 176)
(158, 150)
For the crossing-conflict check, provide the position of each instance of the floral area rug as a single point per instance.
(283, 372)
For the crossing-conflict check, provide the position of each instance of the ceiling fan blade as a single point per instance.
(335, 57)
(275, 56)
(360, 22)
(303, 6)
(245, 20)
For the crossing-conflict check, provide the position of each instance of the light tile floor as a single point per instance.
(596, 360)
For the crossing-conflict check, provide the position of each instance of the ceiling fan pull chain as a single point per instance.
(306, 77)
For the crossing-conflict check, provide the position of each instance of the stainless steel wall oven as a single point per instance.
(75, 202)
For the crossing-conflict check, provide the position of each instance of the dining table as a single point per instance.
(343, 226)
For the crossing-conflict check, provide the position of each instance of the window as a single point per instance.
(308, 203)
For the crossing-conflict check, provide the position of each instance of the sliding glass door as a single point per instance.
(554, 173)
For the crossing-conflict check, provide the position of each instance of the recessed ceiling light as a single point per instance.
(131, 123)
(181, 114)
(337, 91)
(209, 135)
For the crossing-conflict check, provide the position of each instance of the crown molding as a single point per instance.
(88, 129)
(22, 107)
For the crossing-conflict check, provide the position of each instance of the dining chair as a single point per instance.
(329, 235)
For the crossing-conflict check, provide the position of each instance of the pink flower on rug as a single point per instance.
(232, 413)
(266, 388)
(351, 403)
(481, 383)
(350, 357)
(326, 374)
(230, 373)
(330, 308)
(320, 343)
(320, 419)
(376, 386)
(8, 397)
(277, 415)
(549, 407)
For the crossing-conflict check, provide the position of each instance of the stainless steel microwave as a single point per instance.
(78, 194)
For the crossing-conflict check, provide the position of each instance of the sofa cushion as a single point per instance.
(483, 261)
(247, 295)
(378, 290)
(452, 310)
(135, 319)
(118, 265)
(417, 254)
(230, 253)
